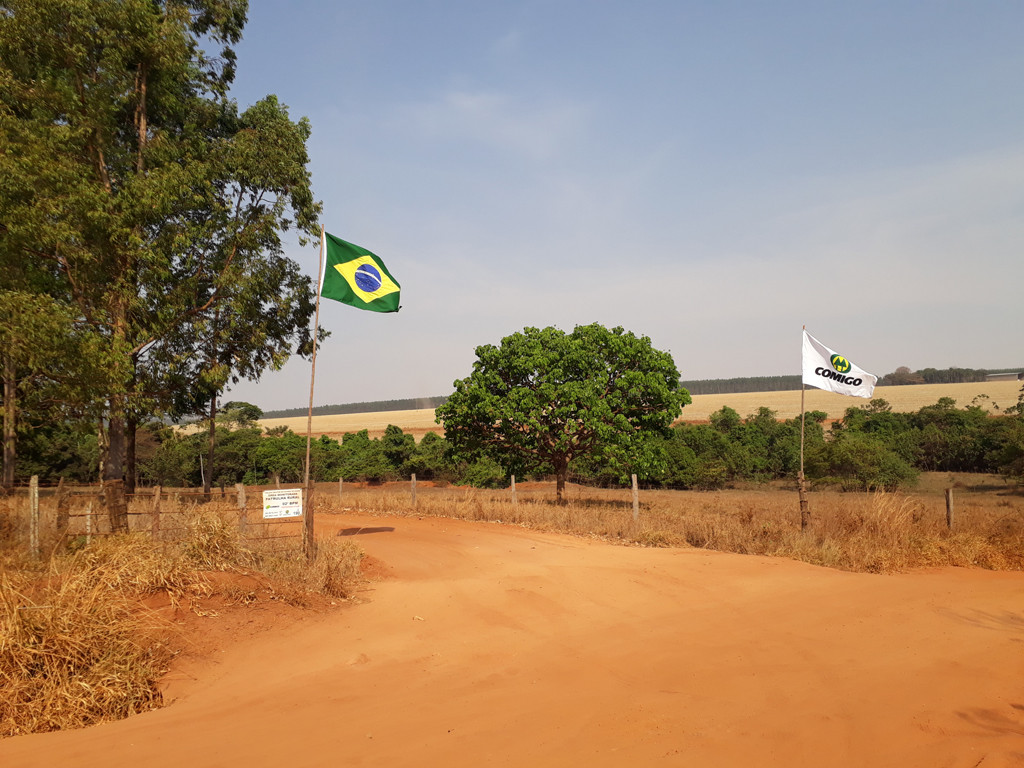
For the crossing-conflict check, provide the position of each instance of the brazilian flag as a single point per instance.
(354, 276)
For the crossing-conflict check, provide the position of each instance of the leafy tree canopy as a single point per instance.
(136, 194)
(544, 397)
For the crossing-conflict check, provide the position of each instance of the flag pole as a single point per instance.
(308, 543)
(805, 514)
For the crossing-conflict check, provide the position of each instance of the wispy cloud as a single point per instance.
(532, 129)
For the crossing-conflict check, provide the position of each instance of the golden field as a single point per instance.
(786, 404)
(417, 422)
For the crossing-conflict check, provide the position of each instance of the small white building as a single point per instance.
(1004, 377)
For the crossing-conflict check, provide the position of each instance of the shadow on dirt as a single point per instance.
(361, 531)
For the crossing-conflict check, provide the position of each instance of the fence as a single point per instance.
(76, 514)
(42, 518)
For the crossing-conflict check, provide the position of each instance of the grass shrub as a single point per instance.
(212, 539)
(333, 572)
(76, 647)
(77, 644)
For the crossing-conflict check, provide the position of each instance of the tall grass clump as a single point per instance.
(334, 571)
(212, 541)
(78, 645)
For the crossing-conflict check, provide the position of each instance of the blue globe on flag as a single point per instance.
(368, 278)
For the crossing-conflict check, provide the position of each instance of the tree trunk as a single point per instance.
(208, 480)
(113, 471)
(101, 445)
(113, 467)
(10, 415)
(560, 475)
(131, 425)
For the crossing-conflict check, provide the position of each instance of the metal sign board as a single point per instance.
(282, 502)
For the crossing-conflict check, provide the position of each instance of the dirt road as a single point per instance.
(489, 645)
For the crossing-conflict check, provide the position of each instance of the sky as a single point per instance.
(711, 175)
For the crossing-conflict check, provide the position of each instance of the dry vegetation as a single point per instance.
(853, 531)
(79, 640)
(906, 399)
(786, 404)
(417, 422)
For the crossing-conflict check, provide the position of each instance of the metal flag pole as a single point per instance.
(805, 514)
(308, 542)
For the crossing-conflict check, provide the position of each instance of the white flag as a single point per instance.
(825, 369)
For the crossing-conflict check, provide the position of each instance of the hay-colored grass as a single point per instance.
(415, 422)
(907, 399)
(77, 644)
(851, 531)
(786, 404)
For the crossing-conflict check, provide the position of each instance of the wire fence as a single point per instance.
(41, 519)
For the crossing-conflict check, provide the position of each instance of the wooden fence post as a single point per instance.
(805, 512)
(636, 501)
(949, 508)
(155, 512)
(240, 489)
(413, 486)
(33, 516)
(341, 484)
(88, 524)
(63, 508)
(515, 501)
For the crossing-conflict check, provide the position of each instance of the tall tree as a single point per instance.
(545, 397)
(148, 194)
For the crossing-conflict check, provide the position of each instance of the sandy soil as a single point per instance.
(488, 645)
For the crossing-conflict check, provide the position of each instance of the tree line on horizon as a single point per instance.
(372, 406)
(738, 385)
(901, 376)
(871, 447)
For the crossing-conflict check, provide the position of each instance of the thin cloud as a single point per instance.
(532, 130)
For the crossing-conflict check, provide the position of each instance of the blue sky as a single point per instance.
(712, 175)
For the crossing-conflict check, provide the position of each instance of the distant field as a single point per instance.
(417, 422)
(785, 404)
(903, 399)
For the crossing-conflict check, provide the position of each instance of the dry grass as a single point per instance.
(859, 532)
(906, 399)
(786, 404)
(415, 422)
(76, 647)
(78, 644)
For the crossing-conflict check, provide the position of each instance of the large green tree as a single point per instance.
(544, 397)
(157, 207)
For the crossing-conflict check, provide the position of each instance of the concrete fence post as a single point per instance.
(33, 516)
(636, 501)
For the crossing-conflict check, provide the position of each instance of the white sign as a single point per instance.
(284, 502)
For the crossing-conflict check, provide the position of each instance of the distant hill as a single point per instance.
(901, 376)
(744, 384)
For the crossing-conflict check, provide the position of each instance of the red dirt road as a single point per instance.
(496, 646)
